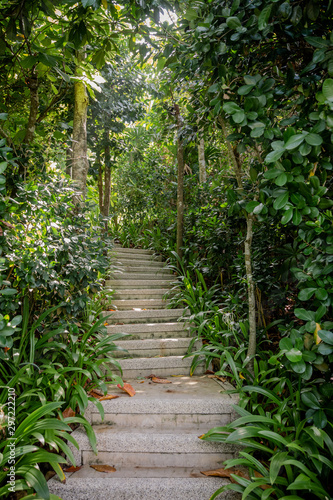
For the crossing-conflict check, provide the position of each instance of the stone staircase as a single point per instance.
(152, 438)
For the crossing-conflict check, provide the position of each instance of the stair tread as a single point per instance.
(125, 440)
(146, 488)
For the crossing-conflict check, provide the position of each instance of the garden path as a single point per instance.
(151, 439)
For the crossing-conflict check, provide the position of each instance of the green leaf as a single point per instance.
(297, 217)
(213, 88)
(294, 141)
(281, 201)
(28, 62)
(325, 335)
(272, 173)
(238, 117)
(257, 210)
(317, 42)
(274, 436)
(282, 179)
(161, 63)
(47, 60)
(264, 17)
(251, 205)
(233, 22)
(328, 89)
(294, 355)
(231, 108)
(285, 344)
(321, 294)
(304, 314)
(306, 293)
(8, 291)
(274, 156)
(310, 400)
(299, 366)
(287, 216)
(245, 89)
(276, 463)
(314, 139)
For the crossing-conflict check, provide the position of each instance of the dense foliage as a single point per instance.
(246, 90)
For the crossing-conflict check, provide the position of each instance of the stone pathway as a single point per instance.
(151, 438)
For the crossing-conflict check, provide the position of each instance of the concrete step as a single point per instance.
(154, 347)
(127, 304)
(141, 276)
(139, 483)
(197, 403)
(157, 293)
(151, 330)
(138, 262)
(160, 366)
(125, 447)
(122, 250)
(161, 271)
(122, 284)
(137, 256)
(150, 316)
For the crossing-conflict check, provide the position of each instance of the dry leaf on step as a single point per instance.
(103, 468)
(224, 473)
(96, 391)
(107, 397)
(72, 468)
(94, 394)
(68, 413)
(158, 380)
(127, 388)
(222, 379)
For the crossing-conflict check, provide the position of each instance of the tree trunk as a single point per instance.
(107, 176)
(180, 185)
(100, 185)
(252, 346)
(69, 160)
(80, 160)
(251, 350)
(34, 103)
(202, 161)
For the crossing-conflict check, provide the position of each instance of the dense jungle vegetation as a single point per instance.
(202, 130)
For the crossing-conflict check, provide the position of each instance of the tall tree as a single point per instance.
(80, 163)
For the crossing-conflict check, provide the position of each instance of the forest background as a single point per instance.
(202, 130)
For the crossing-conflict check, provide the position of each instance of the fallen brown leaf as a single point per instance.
(127, 388)
(158, 380)
(68, 413)
(225, 473)
(228, 472)
(150, 376)
(96, 391)
(209, 372)
(94, 394)
(108, 396)
(72, 468)
(222, 379)
(104, 468)
(141, 382)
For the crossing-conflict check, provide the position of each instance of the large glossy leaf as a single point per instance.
(281, 201)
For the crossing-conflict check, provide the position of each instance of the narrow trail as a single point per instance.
(151, 439)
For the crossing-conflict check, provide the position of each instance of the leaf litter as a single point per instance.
(104, 468)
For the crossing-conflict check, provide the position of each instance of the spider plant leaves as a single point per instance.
(277, 462)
